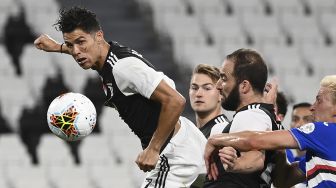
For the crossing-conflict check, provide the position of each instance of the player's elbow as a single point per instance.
(176, 102)
(180, 102)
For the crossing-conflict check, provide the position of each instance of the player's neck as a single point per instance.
(105, 47)
(205, 117)
(249, 99)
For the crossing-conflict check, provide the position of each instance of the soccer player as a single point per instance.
(242, 82)
(301, 114)
(205, 100)
(145, 99)
(317, 138)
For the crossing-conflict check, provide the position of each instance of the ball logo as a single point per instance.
(65, 121)
(307, 128)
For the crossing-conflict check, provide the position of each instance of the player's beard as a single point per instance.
(232, 101)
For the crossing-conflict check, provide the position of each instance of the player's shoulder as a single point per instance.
(251, 117)
(221, 119)
(251, 113)
(122, 51)
(317, 127)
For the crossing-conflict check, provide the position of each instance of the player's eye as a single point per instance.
(208, 88)
(195, 88)
(223, 77)
(69, 45)
(81, 42)
(295, 119)
(308, 119)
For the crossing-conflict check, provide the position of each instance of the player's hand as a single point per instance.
(147, 159)
(270, 93)
(209, 154)
(228, 156)
(46, 43)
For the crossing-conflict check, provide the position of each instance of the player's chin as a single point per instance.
(201, 110)
(85, 66)
(197, 107)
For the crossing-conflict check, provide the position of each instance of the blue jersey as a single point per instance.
(292, 158)
(319, 139)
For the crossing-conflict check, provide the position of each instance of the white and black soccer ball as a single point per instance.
(71, 116)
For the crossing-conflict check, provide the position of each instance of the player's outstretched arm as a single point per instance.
(172, 105)
(48, 44)
(255, 140)
(246, 141)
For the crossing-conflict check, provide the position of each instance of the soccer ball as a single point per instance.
(71, 116)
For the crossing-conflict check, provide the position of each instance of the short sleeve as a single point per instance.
(251, 120)
(133, 76)
(308, 136)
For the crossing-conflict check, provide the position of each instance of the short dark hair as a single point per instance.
(249, 65)
(302, 105)
(282, 103)
(209, 70)
(77, 17)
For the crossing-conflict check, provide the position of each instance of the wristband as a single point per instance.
(61, 48)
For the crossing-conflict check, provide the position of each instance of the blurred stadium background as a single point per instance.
(297, 38)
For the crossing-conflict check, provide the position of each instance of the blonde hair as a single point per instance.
(209, 70)
(330, 82)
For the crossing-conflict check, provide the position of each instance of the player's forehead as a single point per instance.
(201, 79)
(324, 93)
(76, 34)
(227, 68)
(302, 110)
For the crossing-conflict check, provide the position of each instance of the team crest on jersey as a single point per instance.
(108, 89)
(308, 128)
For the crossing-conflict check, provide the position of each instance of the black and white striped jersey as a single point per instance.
(258, 117)
(253, 117)
(128, 82)
(214, 126)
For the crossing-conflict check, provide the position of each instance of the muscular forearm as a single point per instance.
(48, 44)
(257, 140)
(169, 116)
(240, 141)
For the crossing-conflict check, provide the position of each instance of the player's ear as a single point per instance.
(99, 36)
(244, 86)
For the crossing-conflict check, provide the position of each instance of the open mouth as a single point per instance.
(81, 60)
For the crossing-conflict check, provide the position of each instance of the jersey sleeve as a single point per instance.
(251, 120)
(218, 128)
(309, 137)
(133, 76)
(302, 163)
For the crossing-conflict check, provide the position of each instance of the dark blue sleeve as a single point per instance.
(309, 136)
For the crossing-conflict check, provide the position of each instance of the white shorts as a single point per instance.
(181, 161)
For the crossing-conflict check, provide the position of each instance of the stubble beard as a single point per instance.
(231, 102)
